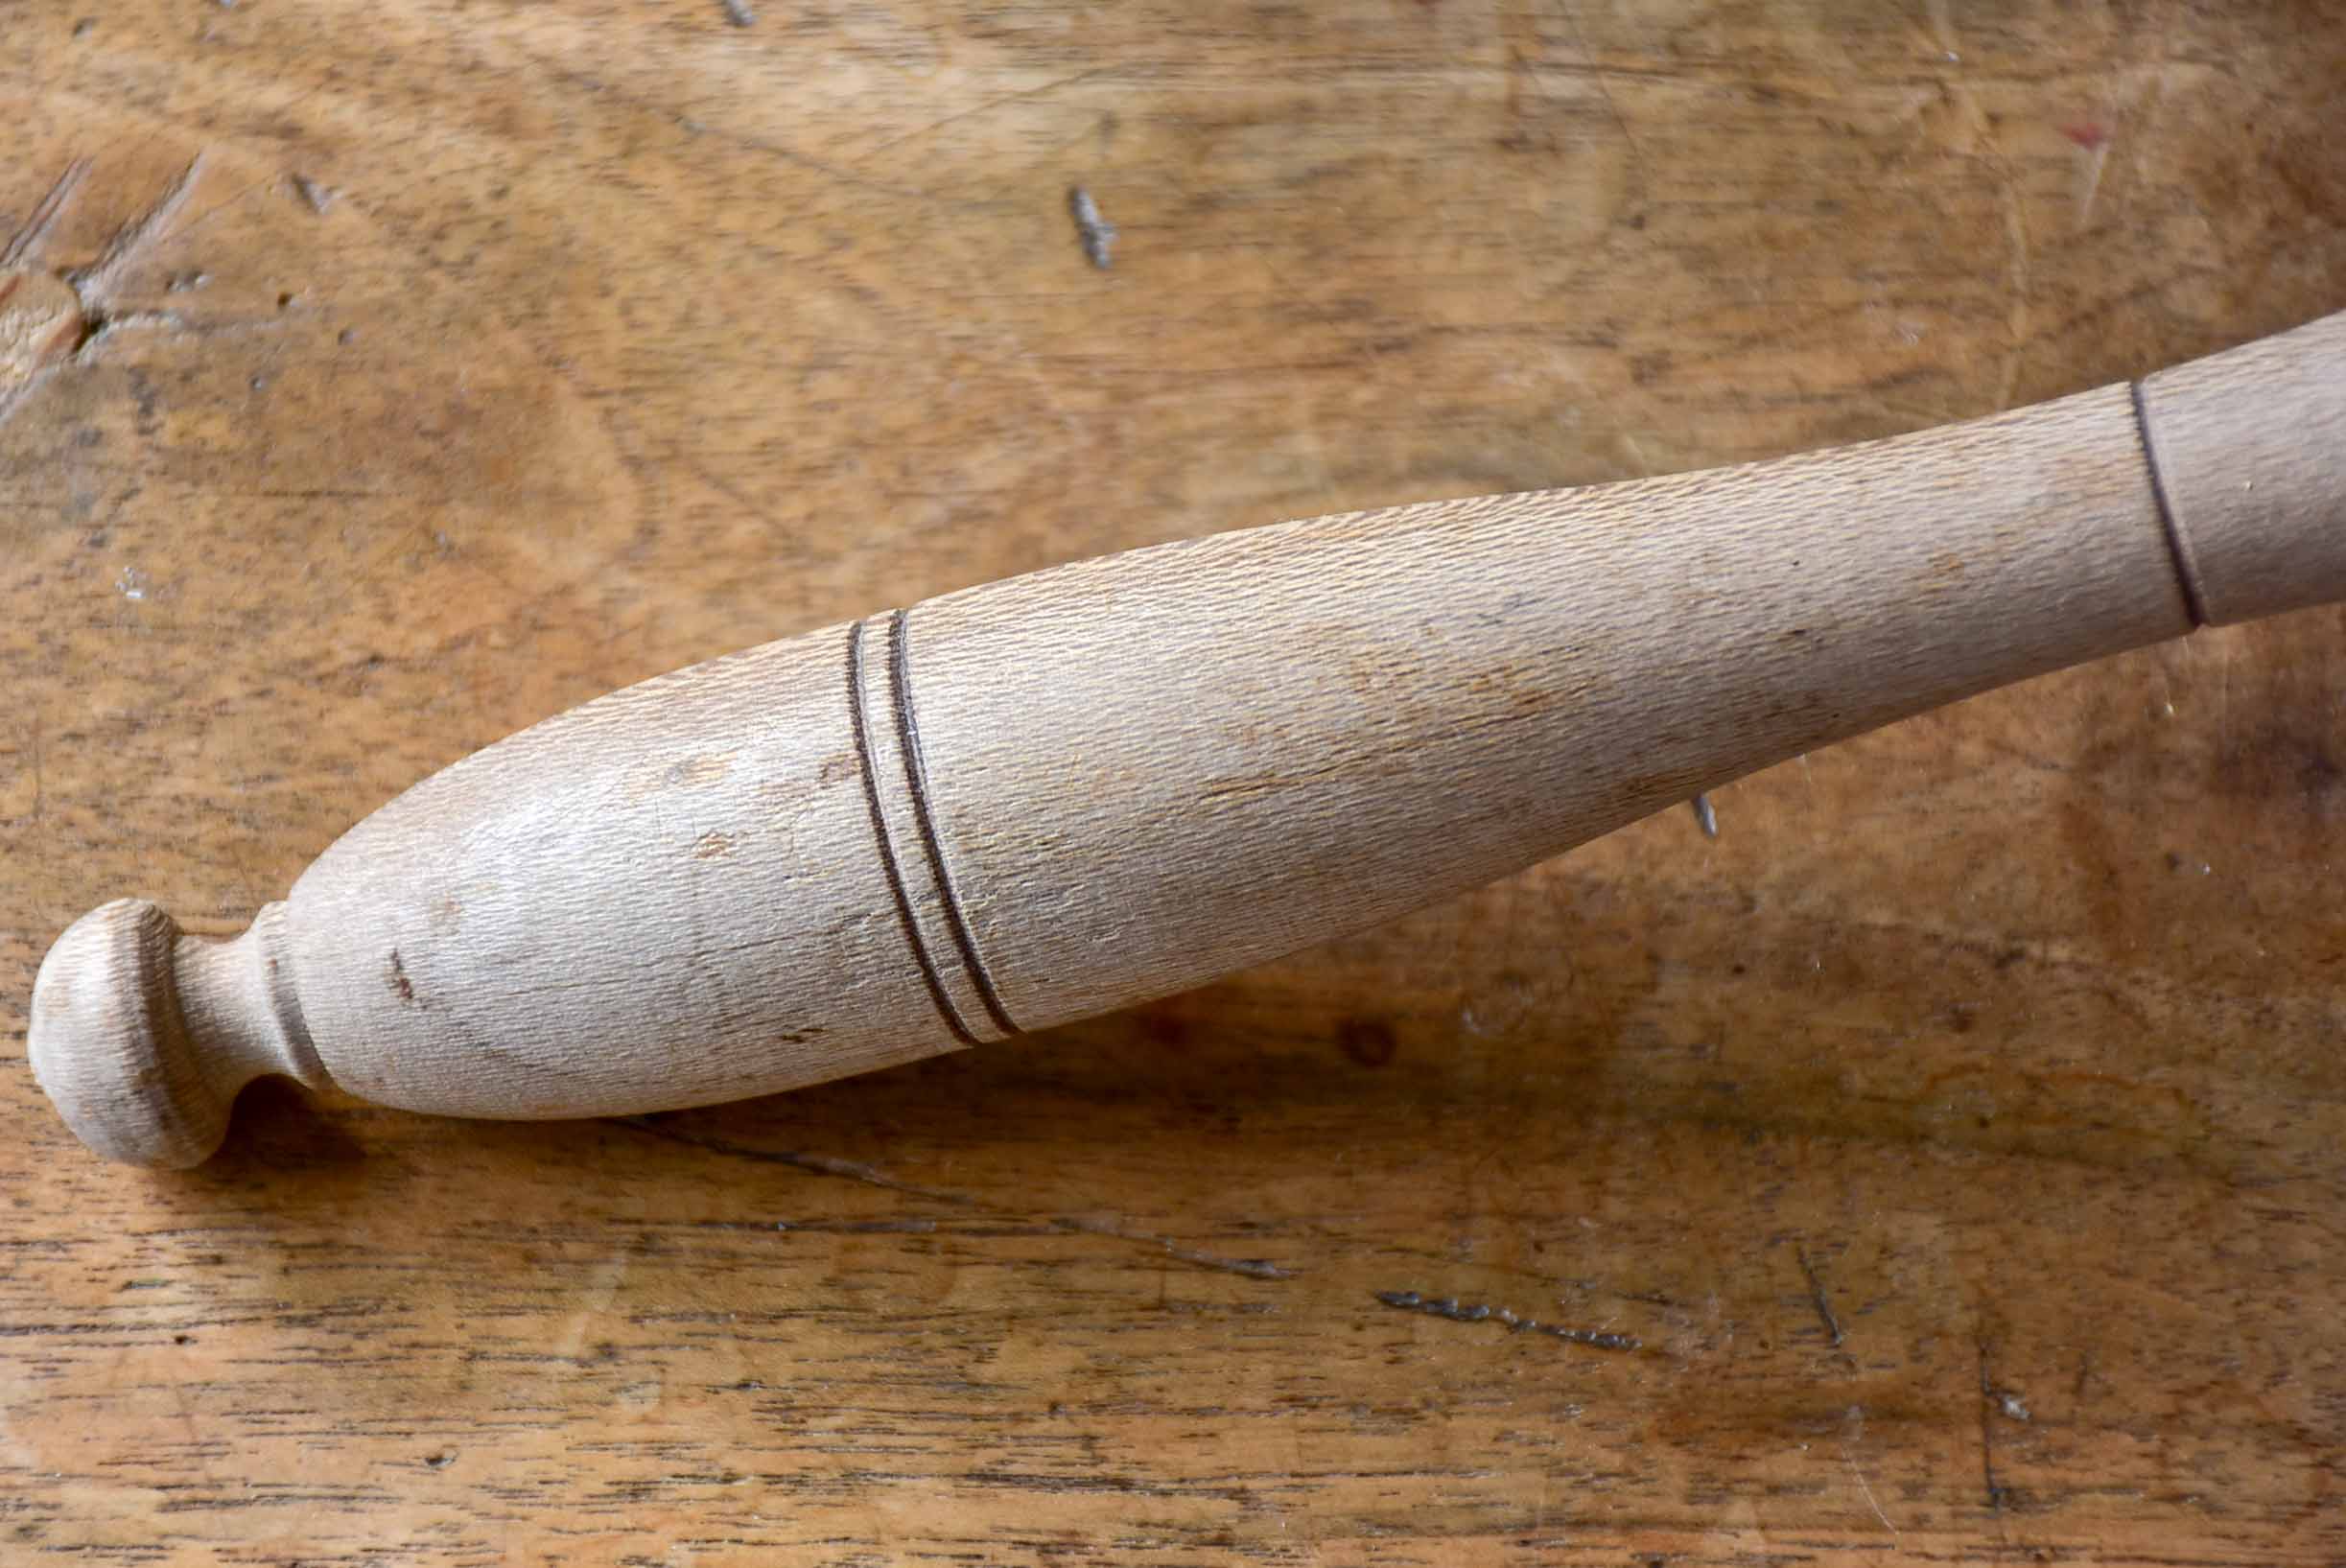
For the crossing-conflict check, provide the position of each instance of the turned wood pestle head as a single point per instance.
(143, 1034)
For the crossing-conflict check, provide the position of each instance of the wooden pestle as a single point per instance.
(1059, 795)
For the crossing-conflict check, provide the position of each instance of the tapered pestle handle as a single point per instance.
(1059, 795)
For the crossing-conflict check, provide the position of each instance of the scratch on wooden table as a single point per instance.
(988, 107)
(1097, 234)
(93, 285)
(1997, 1493)
(1816, 1298)
(1605, 91)
(1451, 1310)
(2019, 244)
(1854, 1433)
(1252, 1268)
(95, 282)
(2094, 139)
(834, 172)
(27, 238)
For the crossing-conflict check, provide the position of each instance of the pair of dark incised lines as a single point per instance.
(916, 785)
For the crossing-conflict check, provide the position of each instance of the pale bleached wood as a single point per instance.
(1155, 769)
(1043, 799)
(2246, 444)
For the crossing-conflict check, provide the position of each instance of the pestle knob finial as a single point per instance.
(143, 1034)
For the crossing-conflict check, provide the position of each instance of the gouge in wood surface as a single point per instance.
(1062, 794)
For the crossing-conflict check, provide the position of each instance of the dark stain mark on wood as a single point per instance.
(1366, 1041)
(313, 196)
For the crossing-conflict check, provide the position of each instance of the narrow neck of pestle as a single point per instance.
(237, 1001)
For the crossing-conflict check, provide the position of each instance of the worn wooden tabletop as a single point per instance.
(1960, 1135)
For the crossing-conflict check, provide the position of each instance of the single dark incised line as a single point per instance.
(2177, 551)
(880, 836)
(916, 779)
(1819, 1300)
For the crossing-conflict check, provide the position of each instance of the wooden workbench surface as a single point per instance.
(1960, 1135)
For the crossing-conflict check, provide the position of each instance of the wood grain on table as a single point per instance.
(1948, 1159)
